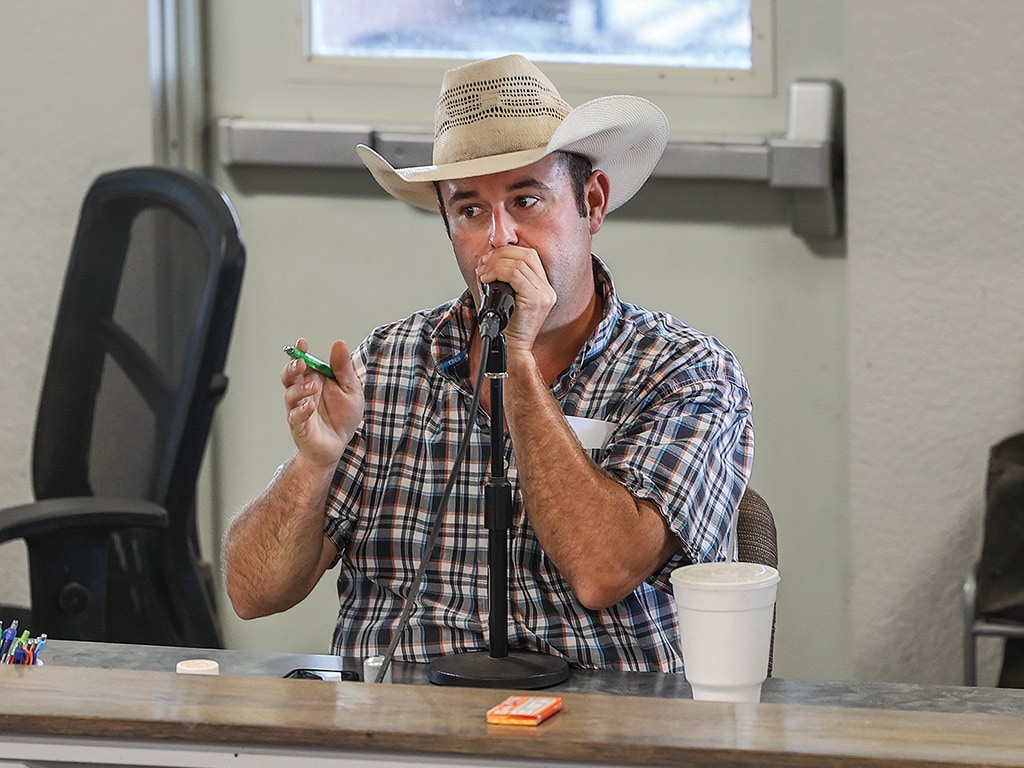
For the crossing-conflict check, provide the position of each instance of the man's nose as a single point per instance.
(503, 229)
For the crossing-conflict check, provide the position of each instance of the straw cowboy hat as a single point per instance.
(501, 114)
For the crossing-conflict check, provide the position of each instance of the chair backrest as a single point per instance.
(757, 540)
(756, 536)
(135, 371)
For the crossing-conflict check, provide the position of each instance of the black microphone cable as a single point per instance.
(435, 528)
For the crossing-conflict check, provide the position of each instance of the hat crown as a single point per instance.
(495, 107)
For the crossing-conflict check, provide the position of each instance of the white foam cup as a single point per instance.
(725, 615)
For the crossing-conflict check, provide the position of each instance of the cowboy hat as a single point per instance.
(500, 114)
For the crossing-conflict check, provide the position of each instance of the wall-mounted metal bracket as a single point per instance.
(809, 159)
(806, 162)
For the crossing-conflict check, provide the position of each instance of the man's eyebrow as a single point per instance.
(465, 194)
(528, 183)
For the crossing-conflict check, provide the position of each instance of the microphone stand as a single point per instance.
(499, 667)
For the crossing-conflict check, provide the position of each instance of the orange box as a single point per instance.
(524, 710)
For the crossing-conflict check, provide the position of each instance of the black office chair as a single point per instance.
(134, 374)
(757, 542)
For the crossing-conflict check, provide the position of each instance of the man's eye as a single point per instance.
(469, 211)
(526, 201)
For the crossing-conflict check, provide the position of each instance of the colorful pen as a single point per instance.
(7, 639)
(18, 650)
(315, 363)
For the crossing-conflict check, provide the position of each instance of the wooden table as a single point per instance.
(92, 715)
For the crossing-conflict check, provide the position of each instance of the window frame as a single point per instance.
(303, 66)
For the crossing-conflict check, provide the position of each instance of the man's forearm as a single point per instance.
(601, 539)
(275, 550)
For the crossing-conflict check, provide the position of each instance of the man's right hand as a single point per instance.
(323, 413)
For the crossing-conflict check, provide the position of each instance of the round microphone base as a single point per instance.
(520, 669)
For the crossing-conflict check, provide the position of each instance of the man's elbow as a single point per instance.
(596, 594)
(244, 606)
(246, 601)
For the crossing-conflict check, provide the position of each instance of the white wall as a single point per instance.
(74, 102)
(936, 286)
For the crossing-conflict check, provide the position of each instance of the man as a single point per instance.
(523, 183)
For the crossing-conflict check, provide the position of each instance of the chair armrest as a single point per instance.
(50, 516)
(969, 605)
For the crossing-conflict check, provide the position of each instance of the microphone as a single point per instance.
(495, 309)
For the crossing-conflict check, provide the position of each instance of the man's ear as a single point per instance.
(596, 194)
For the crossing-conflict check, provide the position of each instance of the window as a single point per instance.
(687, 46)
(673, 33)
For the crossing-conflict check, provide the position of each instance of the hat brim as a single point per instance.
(624, 136)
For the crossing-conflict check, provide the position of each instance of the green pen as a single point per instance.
(315, 363)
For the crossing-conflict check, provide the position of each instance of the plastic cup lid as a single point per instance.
(725, 576)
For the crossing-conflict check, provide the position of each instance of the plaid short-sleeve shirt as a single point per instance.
(681, 438)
